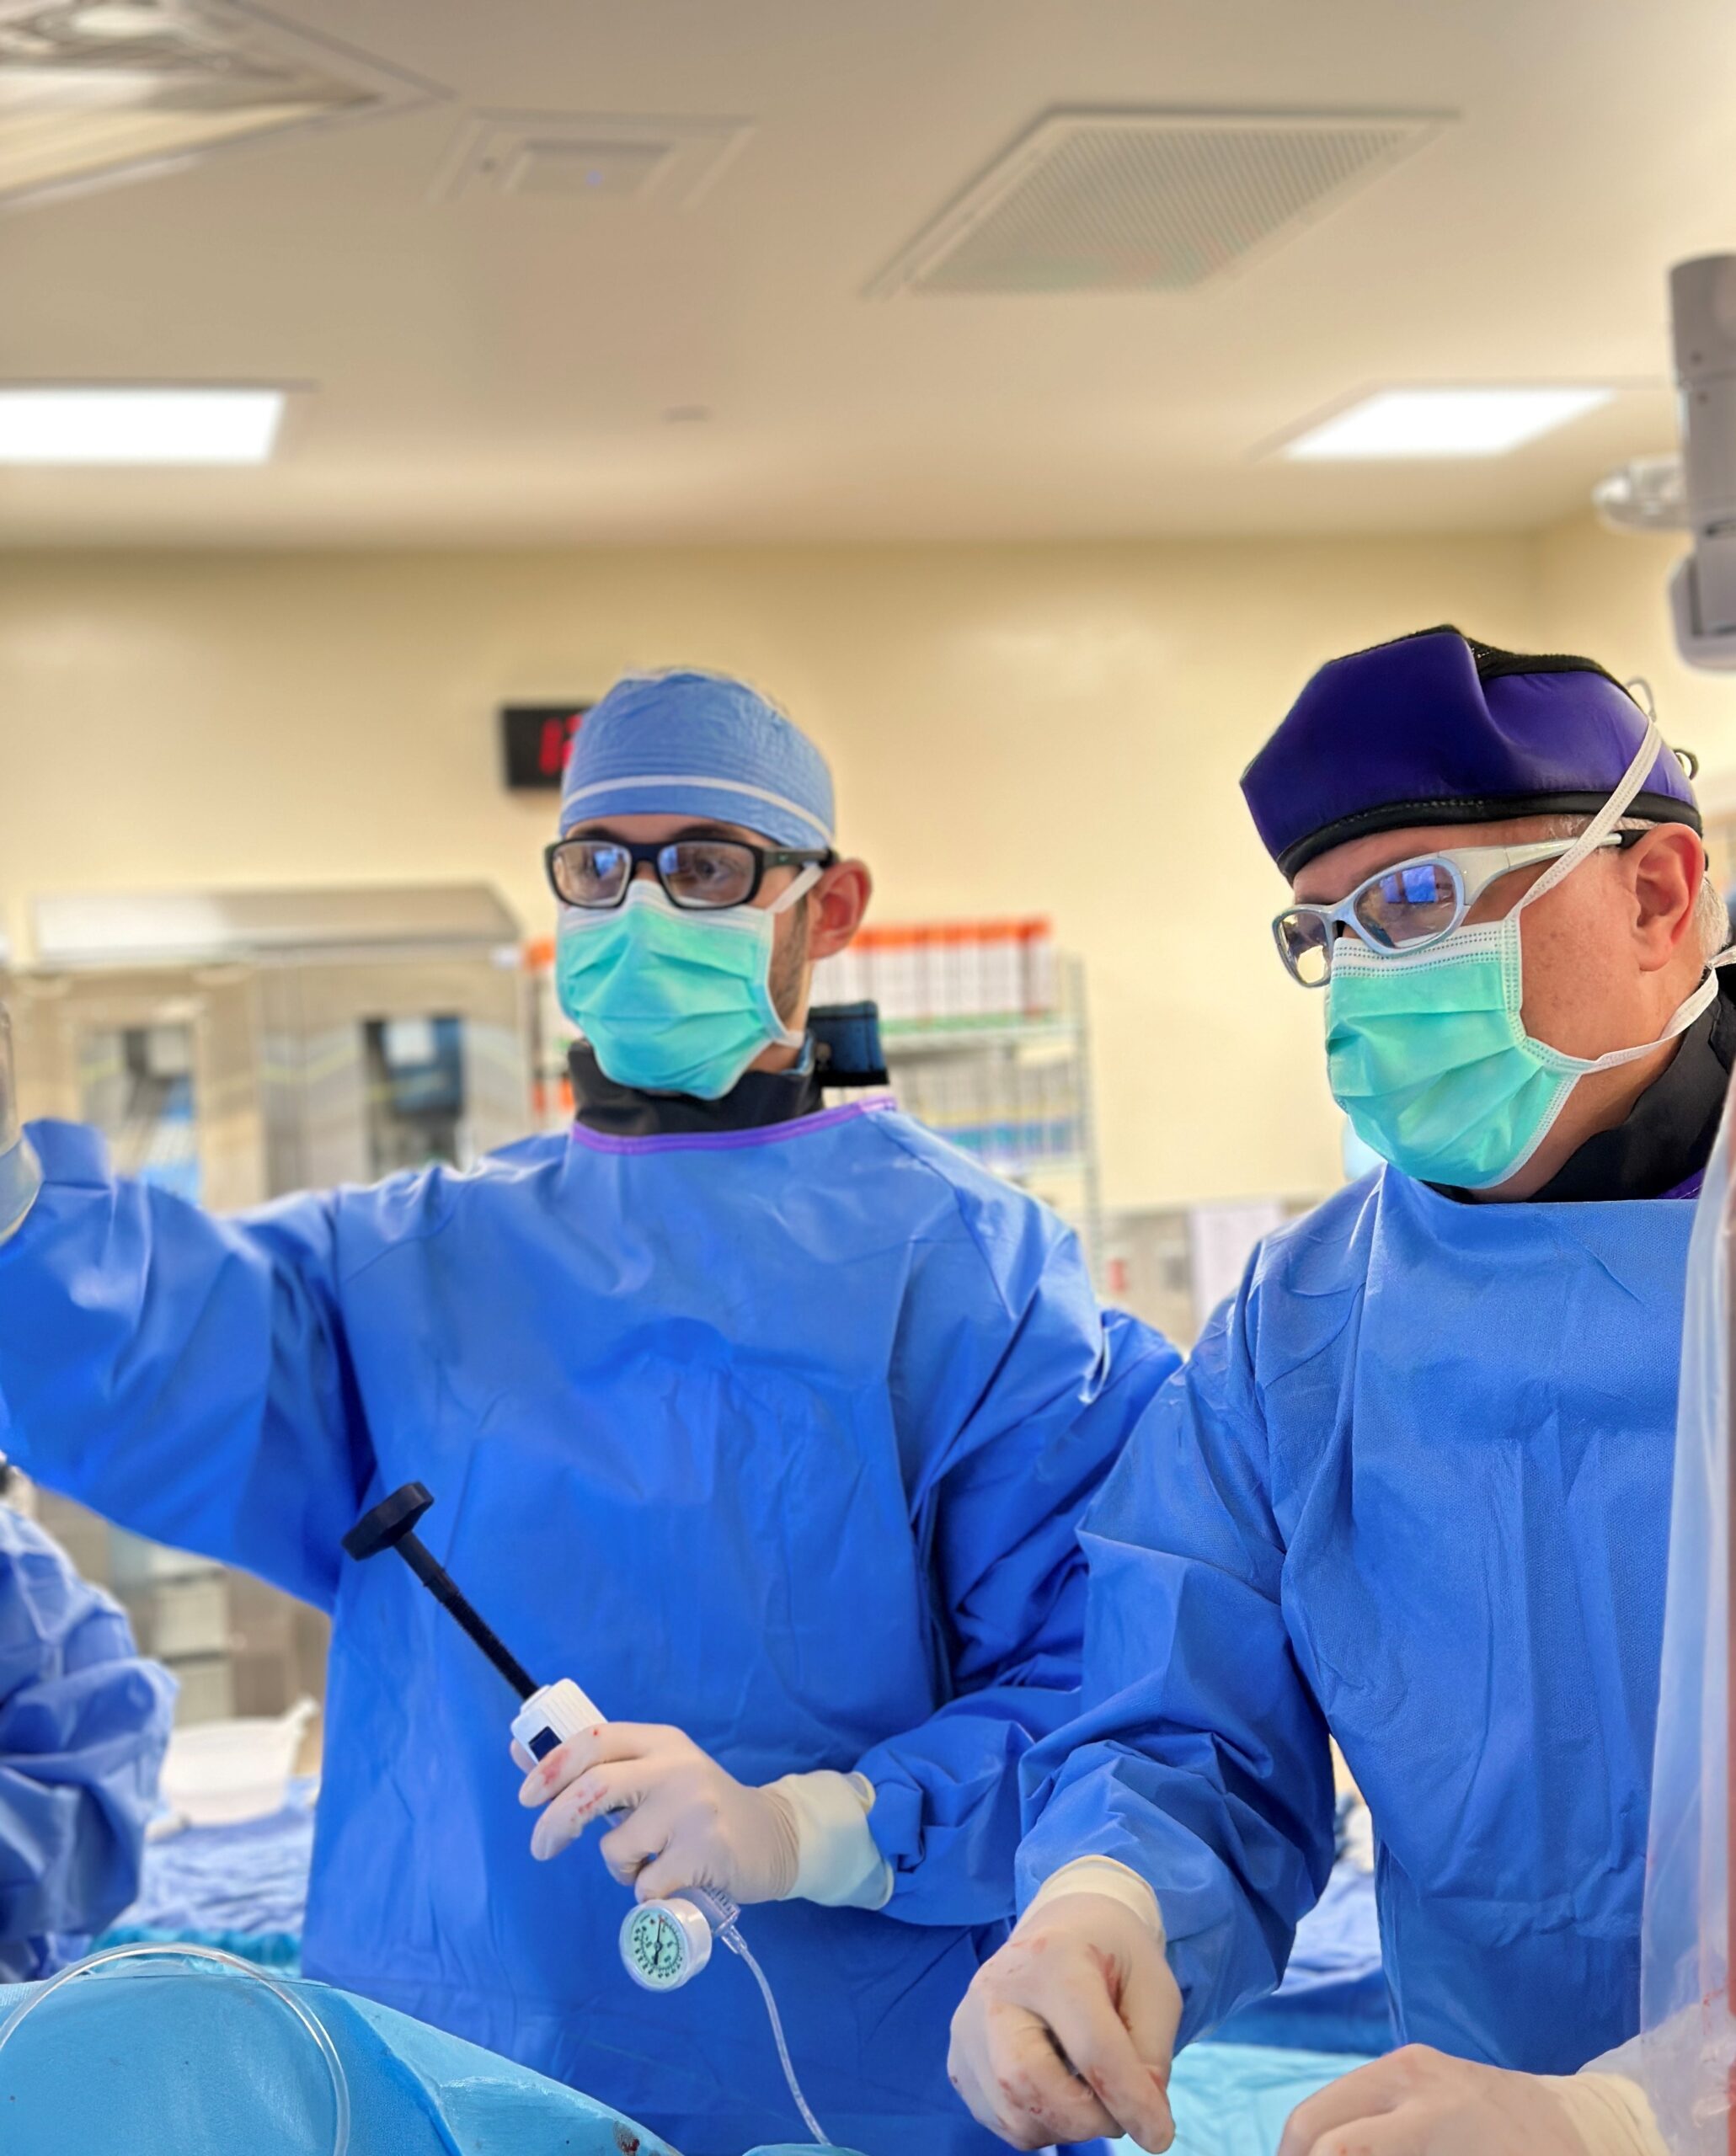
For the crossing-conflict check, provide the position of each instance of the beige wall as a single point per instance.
(1055, 728)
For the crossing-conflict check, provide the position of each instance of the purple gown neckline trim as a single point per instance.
(725, 1141)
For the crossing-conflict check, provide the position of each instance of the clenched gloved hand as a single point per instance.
(689, 1822)
(20, 1178)
(1418, 2102)
(1067, 2033)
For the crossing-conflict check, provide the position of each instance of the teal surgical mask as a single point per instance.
(1428, 1053)
(673, 1000)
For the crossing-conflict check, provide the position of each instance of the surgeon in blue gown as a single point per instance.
(1413, 1488)
(768, 1422)
(83, 1725)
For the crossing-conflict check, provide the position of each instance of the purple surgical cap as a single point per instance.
(1438, 729)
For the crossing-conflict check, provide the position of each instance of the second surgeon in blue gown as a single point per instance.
(1413, 1485)
(769, 1422)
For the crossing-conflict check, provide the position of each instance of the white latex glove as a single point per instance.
(1418, 2102)
(20, 1178)
(689, 1821)
(1067, 2033)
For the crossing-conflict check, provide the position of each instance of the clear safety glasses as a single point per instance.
(1410, 905)
(700, 875)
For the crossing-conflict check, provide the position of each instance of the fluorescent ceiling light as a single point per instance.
(92, 90)
(1404, 423)
(138, 426)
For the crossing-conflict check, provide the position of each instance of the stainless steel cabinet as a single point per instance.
(234, 1047)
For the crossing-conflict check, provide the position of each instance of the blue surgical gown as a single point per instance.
(780, 1436)
(1413, 1487)
(83, 1725)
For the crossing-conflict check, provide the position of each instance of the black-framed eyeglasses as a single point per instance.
(699, 875)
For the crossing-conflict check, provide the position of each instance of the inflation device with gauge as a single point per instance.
(664, 1944)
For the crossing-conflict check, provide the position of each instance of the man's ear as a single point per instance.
(1666, 867)
(836, 905)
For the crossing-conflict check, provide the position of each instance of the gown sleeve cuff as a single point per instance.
(1103, 1875)
(1610, 2114)
(20, 1180)
(838, 1864)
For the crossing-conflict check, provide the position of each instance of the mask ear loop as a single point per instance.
(800, 889)
(1603, 822)
(1595, 831)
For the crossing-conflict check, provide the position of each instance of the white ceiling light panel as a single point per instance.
(1471, 421)
(98, 90)
(1148, 202)
(91, 425)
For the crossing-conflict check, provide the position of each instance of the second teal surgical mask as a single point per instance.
(1428, 1053)
(672, 1000)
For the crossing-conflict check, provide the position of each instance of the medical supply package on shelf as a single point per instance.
(1014, 1116)
(950, 973)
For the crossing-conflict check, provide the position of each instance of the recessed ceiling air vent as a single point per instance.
(96, 90)
(591, 156)
(1147, 201)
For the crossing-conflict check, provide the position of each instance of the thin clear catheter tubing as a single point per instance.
(737, 1945)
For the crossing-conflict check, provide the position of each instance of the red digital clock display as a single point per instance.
(534, 740)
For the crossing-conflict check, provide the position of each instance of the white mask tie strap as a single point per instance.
(1606, 819)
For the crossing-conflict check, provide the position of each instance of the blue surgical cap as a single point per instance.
(1438, 729)
(690, 743)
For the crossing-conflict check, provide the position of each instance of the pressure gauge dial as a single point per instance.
(665, 1944)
